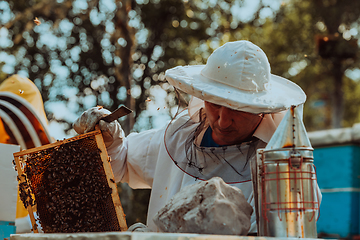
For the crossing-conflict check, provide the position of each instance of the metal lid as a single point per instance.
(291, 132)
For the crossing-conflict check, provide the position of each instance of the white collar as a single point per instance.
(269, 125)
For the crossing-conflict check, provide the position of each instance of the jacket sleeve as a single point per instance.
(134, 158)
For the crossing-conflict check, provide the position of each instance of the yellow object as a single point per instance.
(35, 114)
(26, 89)
(20, 209)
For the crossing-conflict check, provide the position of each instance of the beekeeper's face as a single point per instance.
(230, 126)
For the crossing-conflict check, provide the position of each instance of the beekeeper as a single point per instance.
(236, 106)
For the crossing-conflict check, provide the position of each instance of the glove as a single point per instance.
(138, 227)
(111, 131)
(88, 119)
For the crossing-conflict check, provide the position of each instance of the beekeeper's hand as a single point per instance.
(111, 131)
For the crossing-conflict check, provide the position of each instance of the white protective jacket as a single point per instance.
(142, 161)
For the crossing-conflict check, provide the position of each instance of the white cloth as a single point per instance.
(143, 162)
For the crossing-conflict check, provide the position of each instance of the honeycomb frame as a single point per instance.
(28, 189)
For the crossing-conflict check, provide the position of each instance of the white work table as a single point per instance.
(133, 236)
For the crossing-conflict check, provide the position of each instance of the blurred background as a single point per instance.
(84, 53)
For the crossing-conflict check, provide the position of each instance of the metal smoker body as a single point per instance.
(284, 176)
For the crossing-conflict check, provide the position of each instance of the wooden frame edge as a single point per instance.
(110, 179)
(58, 143)
(29, 208)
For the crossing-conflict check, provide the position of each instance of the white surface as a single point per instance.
(135, 236)
(8, 182)
(335, 136)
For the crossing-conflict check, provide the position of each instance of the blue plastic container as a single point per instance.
(338, 174)
(7, 228)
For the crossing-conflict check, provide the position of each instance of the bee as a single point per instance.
(37, 21)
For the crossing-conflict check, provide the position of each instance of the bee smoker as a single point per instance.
(284, 180)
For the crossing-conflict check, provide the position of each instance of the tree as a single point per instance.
(75, 55)
(338, 46)
(292, 40)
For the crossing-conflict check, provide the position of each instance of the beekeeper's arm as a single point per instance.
(116, 145)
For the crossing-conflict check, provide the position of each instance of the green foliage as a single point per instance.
(291, 41)
(116, 52)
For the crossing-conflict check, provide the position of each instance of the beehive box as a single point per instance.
(71, 186)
